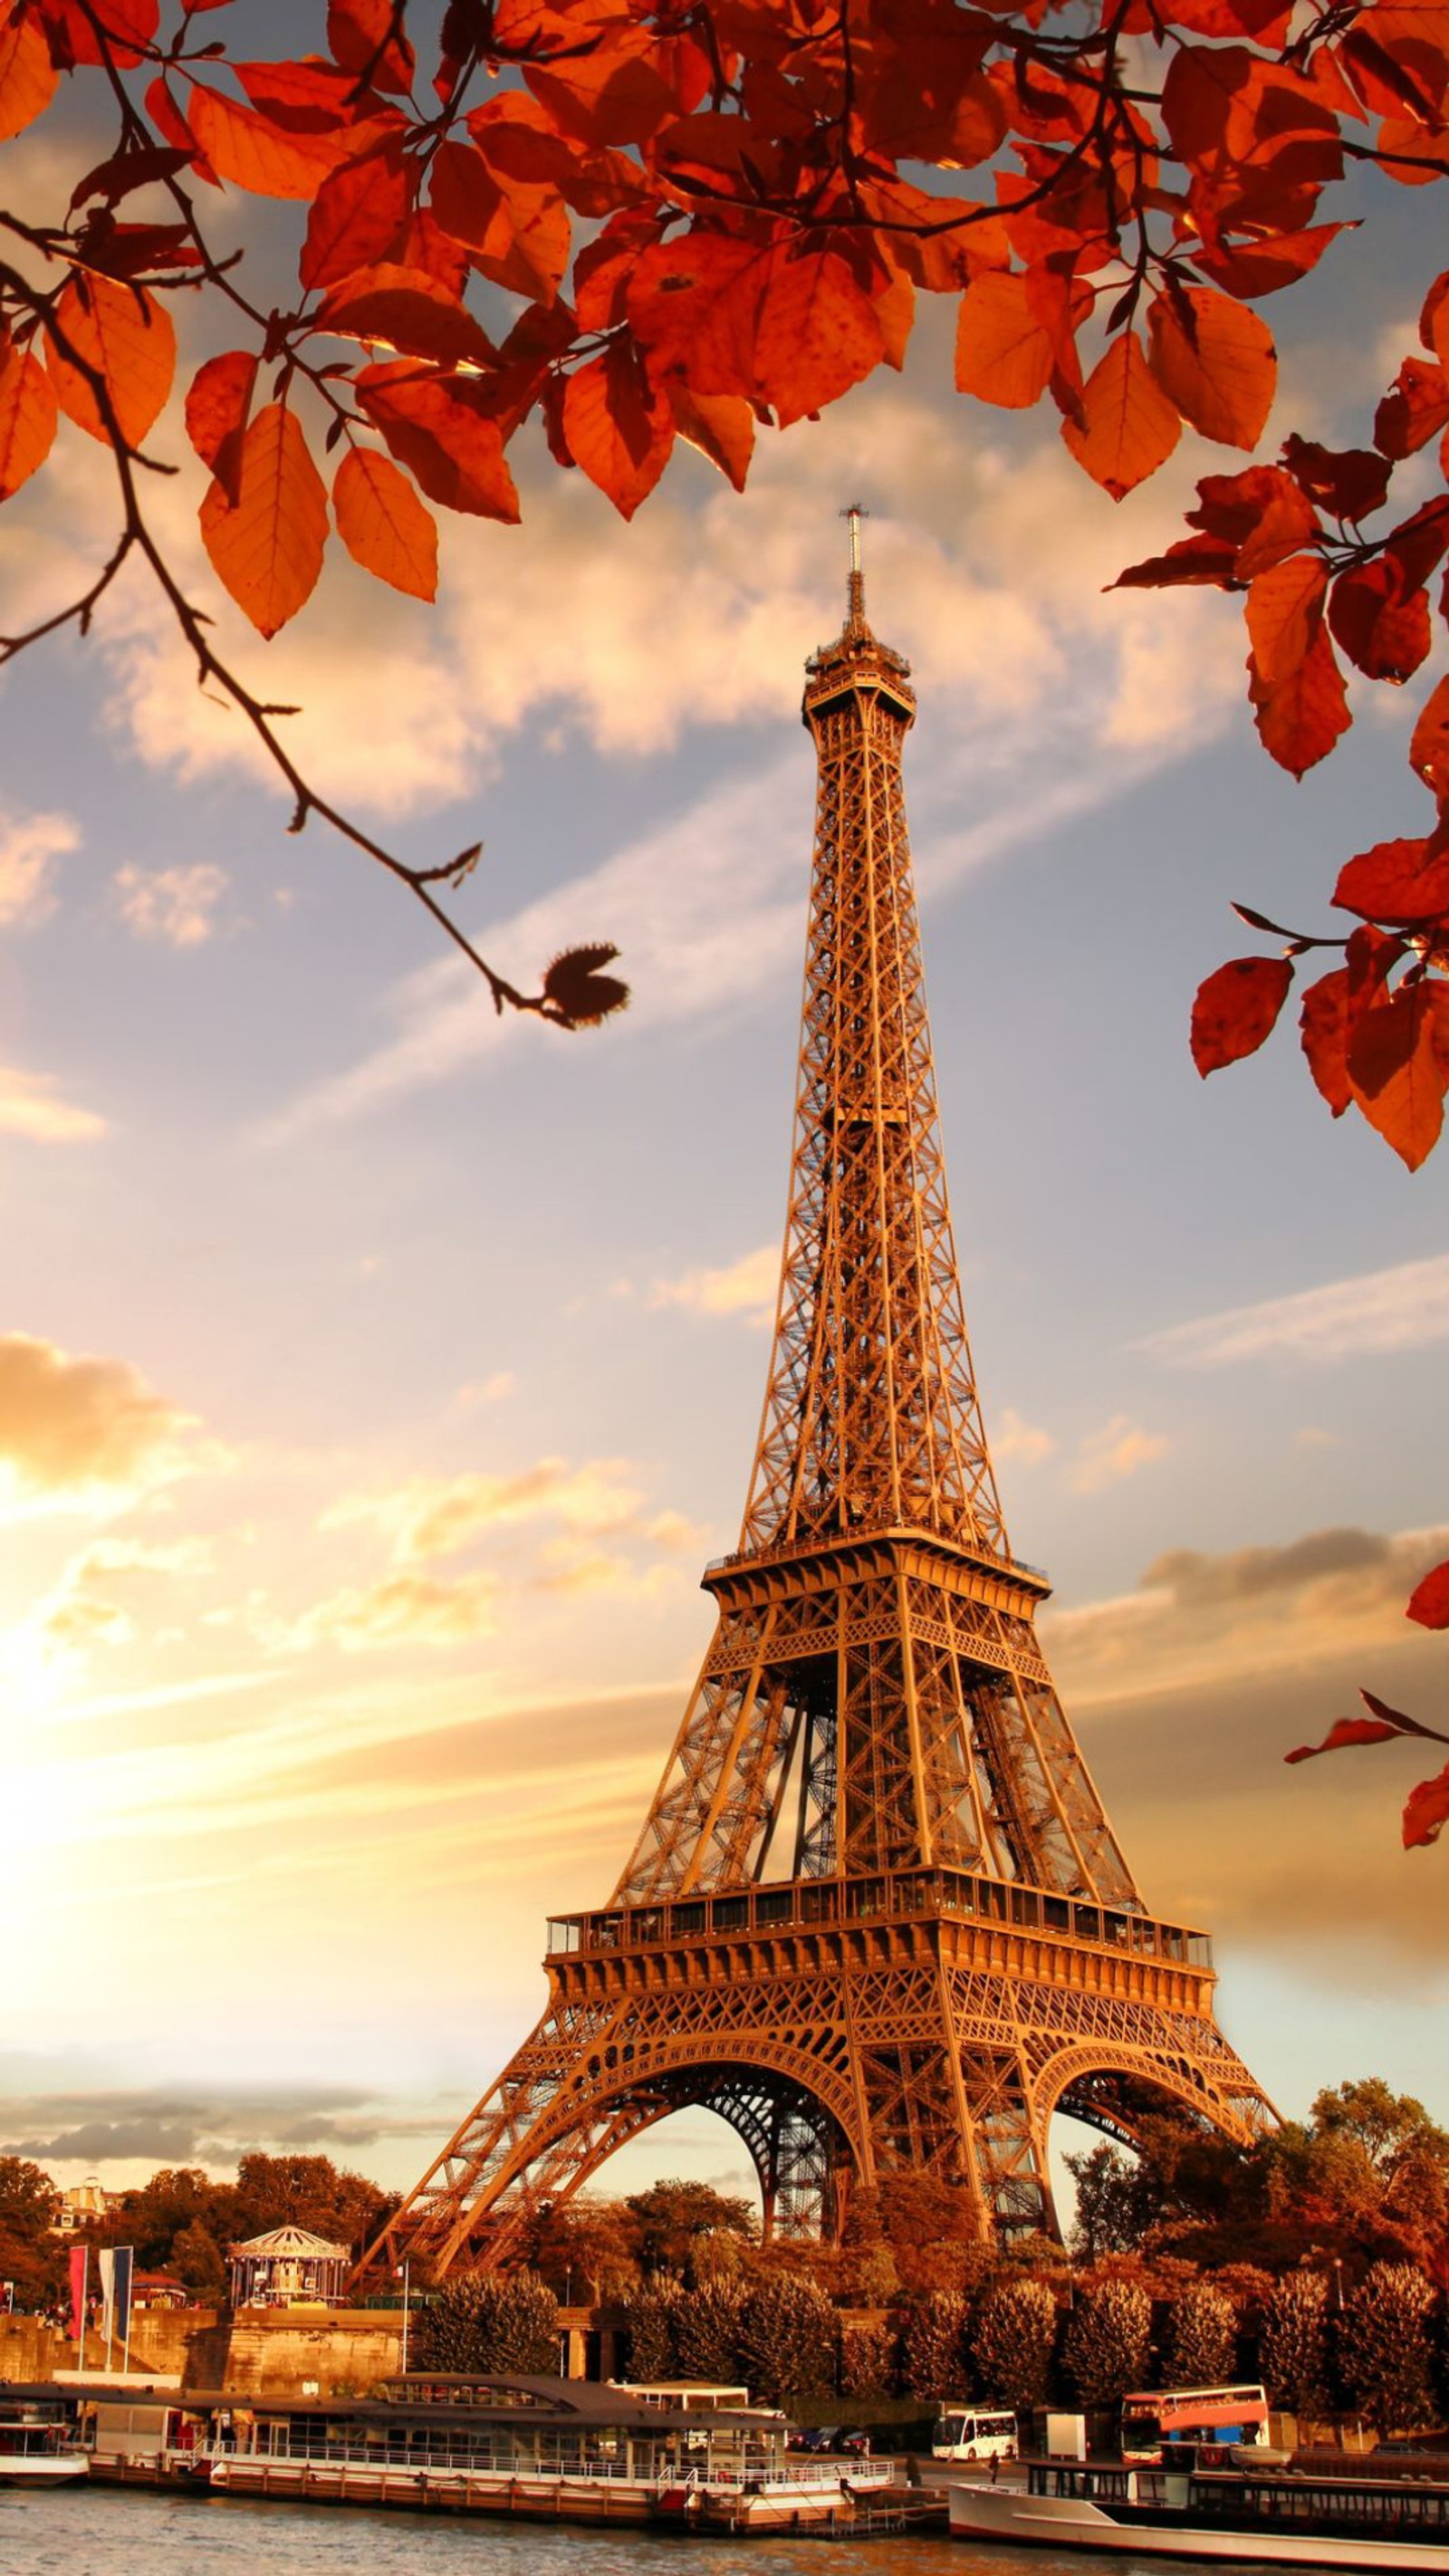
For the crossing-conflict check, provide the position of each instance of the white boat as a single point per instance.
(38, 2446)
(1280, 2518)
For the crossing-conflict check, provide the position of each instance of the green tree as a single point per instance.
(1105, 2346)
(707, 2322)
(676, 2221)
(933, 2355)
(1202, 2336)
(1011, 2341)
(1383, 2347)
(650, 2314)
(197, 2259)
(508, 2324)
(787, 2340)
(1293, 2343)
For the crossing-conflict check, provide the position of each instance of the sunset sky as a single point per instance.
(376, 1376)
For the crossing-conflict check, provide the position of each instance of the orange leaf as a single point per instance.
(357, 215)
(407, 310)
(1236, 1008)
(721, 426)
(1384, 633)
(1429, 749)
(1429, 1601)
(611, 93)
(1128, 425)
(1397, 1072)
(1347, 1730)
(267, 546)
(1352, 482)
(1216, 361)
(1256, 268)
(1324, 1023)
(128, 338)
(1415, 407)
(27, 417)
(1284, 613)
(247, 147)
(1395, 881)
(383, 524)
(435, 428)
(27, 76)
(1300, 716)
(818, 335)
(362, 38)
(1004, 352)
(617, 429)
(219, 402)
(1425, 1810)
(694, 305)
(518, 232)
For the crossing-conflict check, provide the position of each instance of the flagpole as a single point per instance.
(80, 2359)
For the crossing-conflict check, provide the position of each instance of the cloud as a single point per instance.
(1018, 1439)
(1108, 1456)
(403, 1610)
(1197, 1617)
(175, 905)
(203, 2125)
(77, 1433)
(746, 1287)
(29, 1107)
(1403, 1309)
(29, 846)
(486, 1390)
(94, 1602)
(435, 1516)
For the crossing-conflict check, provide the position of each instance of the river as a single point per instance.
(105, 2531)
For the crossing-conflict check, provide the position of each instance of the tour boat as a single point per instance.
(1282, 2518)
(818, 2492)
(38, 2446)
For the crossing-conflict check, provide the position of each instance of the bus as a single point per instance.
(967, 2432)
(1216, 2419)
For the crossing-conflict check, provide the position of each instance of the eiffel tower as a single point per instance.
(877, 1918)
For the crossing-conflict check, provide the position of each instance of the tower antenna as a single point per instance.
(855, 512)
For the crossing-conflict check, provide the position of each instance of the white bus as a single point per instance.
(967, 2432)
(1219, 2419)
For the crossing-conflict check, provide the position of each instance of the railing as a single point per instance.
(776, 1550)
(806, 1904)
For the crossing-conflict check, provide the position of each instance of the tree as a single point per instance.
(506, 2323)
(1118, 2199)
(30, 2255)
(1384, 2352)
(197, 2259)
(1293, 2343)
(177, 2200)
(677, 2222)
(707, 2324)
(587, 2248)
(1011, 2341)
(1202, 2336)
(787, 2340)
(1105, 2346)
(933, 2359)
(311, 2192)
(867, 2361)
(650, 2314)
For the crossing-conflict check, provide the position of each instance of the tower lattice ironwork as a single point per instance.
(877, 1918)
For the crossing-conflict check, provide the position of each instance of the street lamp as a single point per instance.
(401, 2271)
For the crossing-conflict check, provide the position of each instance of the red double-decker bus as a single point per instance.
(1156, 2420)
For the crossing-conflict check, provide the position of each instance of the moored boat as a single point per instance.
(38, 2445)
(1282, 2518)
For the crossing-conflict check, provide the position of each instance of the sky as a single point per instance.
(376, 1376)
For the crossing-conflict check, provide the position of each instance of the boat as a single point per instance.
(1284, 2518)
(38, 2445)
(819, 2493)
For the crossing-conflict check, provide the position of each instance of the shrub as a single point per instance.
(1202, 2336)
(1011, 2341)
(933, 2354)
(1105, 2347)
(787, 2340)
(1293, 2343)
(496, 2323)
(1383, 2346)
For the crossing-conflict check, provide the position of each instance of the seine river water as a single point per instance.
(99, 2531)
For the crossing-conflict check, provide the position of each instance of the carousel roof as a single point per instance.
(296, 2241)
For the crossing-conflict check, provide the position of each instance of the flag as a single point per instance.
(122, 2277)
(80, 2256)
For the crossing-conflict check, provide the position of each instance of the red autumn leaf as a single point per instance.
(267, 545)
(219, 402)
(611, 93)
(1214, 360)
(1395, 881)
(617, 428)
(818, 334)
(1284, 613)
(694, 305)
(1301, 716)
(1193, 559)
(1128, 426)
(1286, 523)
(1324, 1023)
(1236, 1008)
(1429, 749)
(1350, 483)
(1384, 632)
(580, 993)
(1398, 1073)
(265, 158)
(518, 232)
(27, 75)
(1414, 409)
(721, 426)
(435, 426)
(362, 38)
(1004, 351)
(408, 311)
(1426, 1810)
(383, 524)
(357, 215)
(1262, 267)
(27, 417)
(84, 35)
(1345, 1731)
(128, 338)
(1429, 1600)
